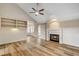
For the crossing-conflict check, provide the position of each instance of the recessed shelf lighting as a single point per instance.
(14, 29)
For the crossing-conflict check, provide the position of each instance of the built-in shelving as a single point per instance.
(8, 22)
(20, 23)
(0, 22)
(5, 22)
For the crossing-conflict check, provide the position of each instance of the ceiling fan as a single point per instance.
(37, 11)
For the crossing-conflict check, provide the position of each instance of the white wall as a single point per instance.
(12, 11)
(71, 32)
(7, 35)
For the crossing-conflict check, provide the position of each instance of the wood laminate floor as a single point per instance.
(47, 48)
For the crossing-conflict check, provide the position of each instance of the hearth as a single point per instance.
(54, 37)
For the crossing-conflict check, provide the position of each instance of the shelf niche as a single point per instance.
(5, 22)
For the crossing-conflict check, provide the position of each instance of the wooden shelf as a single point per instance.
(5, 22)
(7, 26)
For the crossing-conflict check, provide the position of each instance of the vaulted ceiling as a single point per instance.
(60, 11)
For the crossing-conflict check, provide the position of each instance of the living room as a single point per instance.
(35, 29)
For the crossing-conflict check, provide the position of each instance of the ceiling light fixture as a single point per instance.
(36, 13)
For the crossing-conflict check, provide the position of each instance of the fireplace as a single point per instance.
(54, 37)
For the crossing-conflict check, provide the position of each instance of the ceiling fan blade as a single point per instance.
(31, 12)
(41, 10)
(41, 13)
(34, 9)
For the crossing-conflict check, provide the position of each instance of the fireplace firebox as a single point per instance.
(54, 37)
